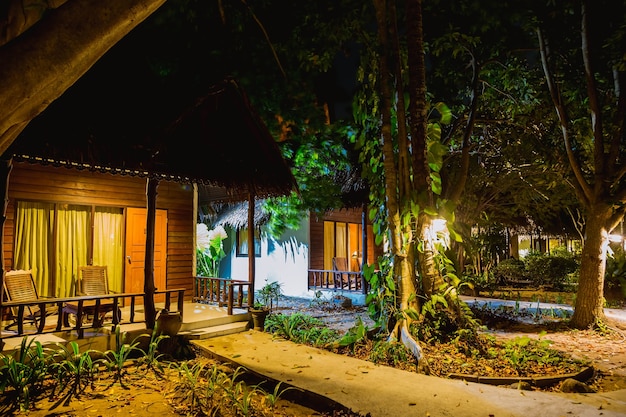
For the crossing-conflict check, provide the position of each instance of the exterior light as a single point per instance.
(437, 233)
(615, 238)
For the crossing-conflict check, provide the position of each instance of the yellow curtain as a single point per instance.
(72, 240)
(329, 244)
(33, 240)
(107, 245)
(341, 239)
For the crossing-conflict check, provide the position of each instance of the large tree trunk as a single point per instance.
(589, 307)
(598, 180)
(43, 62)
(396, 180)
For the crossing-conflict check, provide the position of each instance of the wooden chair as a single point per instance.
(342, 280)
(19, 286)
(92, 280)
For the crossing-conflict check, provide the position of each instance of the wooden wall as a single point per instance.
(32, 182)
(316, 232)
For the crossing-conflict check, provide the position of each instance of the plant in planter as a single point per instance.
(264, 303)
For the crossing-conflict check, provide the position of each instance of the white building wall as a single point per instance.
(285, 260)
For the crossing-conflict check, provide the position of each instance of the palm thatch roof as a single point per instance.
(235, 215)
(354, 194)
(218, 142)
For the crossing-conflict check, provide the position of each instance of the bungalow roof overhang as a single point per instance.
(219, 142)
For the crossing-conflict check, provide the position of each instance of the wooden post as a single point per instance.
(251, 255)
(364, 247)
(148, 284)
(5, 171)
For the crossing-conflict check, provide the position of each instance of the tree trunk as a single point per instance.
(395, 182)
(432, 280)
(589, 307)
(40, 64)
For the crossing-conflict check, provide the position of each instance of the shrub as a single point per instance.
(300, 328)
(509, 270)
(550, 270)
(615, 274)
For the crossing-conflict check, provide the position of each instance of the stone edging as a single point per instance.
(542, 381)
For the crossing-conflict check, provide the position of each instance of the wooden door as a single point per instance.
(136, 250)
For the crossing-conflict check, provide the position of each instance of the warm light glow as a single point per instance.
(439, 226)
(437, 232)
(615, 238)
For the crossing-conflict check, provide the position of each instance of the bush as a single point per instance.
(509, 270)
(615, 274)
(550, 270)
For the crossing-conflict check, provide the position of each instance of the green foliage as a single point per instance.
(212, 390)
(551, 270)
(510, 270)
(268, 294)
(151, 357)
(390, 353)
(74, 371)
(615, 274)
(115, 359)
(22, 373)
(521, 350)
(437, 324)
(199, 386)
(209, 250)
(381, 298)
(300, 328)
(445, 317)
(355, 335)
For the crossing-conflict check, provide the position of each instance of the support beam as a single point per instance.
(148, 285)
(5, 170)
(364, 247)
(251, 255)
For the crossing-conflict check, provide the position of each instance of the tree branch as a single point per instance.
(47, 59)
(459, 187)
(561, 112)
(594, 103)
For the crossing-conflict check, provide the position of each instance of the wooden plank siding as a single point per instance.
(316, 233)
(30, 182)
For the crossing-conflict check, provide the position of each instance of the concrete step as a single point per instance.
(214, 331)
(201, 323)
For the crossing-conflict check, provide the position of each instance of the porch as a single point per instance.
(337, 280)
(202, 317)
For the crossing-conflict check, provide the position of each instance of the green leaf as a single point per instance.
(412, 313)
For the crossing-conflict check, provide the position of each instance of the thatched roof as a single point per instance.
(354, 189)
(236, 215)
(354, 194)
(218, 142)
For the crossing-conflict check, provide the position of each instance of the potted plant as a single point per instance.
(264, 303)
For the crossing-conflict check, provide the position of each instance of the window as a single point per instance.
(343, 240)
(53, 240)
(242, 242)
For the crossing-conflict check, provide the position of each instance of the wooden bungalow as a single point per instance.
(327, 252)
(129, 201)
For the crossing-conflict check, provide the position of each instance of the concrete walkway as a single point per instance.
(381, 391)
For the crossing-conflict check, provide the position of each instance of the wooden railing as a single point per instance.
(337, 280)
(221, 291)
(91, 305)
